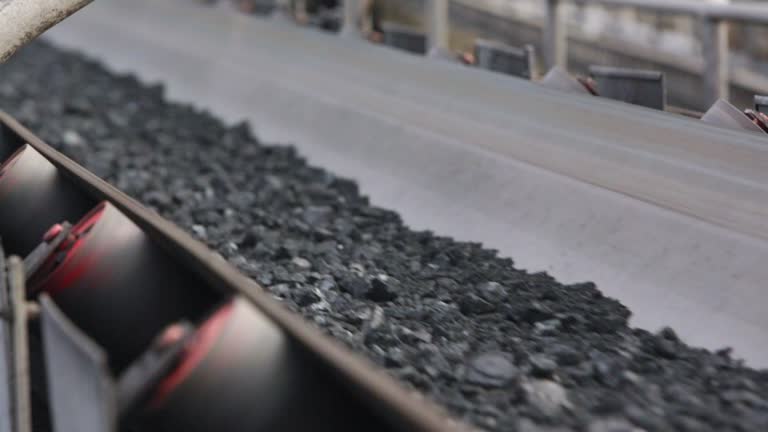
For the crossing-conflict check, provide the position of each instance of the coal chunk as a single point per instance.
(472, 304)
(382, 290)
(491, 370)
(355, 285)
(542, 366)
(492, 292)
(548, 398)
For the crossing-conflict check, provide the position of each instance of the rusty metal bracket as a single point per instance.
(51, 240)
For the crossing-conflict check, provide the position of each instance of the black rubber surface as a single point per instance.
(499, 347)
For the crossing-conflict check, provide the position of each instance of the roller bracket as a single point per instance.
(51, 241)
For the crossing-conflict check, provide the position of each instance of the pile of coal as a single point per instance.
(501, 348)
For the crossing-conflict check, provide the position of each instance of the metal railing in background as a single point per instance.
(714, 19)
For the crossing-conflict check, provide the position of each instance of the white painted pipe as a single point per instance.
(23, 20)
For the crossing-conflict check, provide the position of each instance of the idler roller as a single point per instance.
(33, 197)
(119, 287)
(242, 373)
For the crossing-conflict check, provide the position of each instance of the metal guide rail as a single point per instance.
(142, 326)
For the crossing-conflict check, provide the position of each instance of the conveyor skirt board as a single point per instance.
(142, 326)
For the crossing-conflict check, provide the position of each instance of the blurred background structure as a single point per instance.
(610, 33)
(702, 44)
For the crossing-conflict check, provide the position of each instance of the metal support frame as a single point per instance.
(761, 104)
(714, 48)
(282, 10)
(7, 393)
(350, 26)
(75, 365)
(555, 42)
(300, 11)
(22, 385)
(439, 30)
(16, 386)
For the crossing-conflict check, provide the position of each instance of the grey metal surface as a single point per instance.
(638, 87)
(500, 57)
(15, 385)
(6, 343)
(715, 47)
(723, 114)
(22, 405)
(761, 104)
(81, 394)
(665, 213)
(350, 13)
(554, 36)
(558, 79)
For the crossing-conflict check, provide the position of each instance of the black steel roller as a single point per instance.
(118, 286)
(242, 373)
(34, 196)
